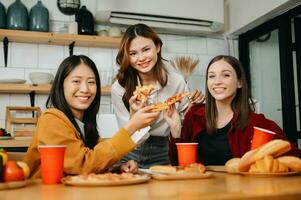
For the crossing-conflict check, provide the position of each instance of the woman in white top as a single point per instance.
(140, 62)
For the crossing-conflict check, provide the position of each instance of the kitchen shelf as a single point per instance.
(59, 38)
(38, 89)
(16, 142)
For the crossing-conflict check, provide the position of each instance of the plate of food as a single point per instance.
(267, 174)
(216, 168)
(13, 184)
(168, 172)
(107, 179)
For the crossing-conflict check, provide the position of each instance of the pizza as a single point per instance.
(171, 100)
(176, 98)
(102, 178)
(159, 107)
(142, 92)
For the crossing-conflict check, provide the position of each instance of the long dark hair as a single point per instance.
(242, 104)
(127, 75)
(57, 98)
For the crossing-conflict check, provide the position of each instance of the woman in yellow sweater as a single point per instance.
(70, 119)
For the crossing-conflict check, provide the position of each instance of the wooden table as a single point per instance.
(221, 186)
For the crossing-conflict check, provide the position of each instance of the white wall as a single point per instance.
(24, 58)
(244, 12)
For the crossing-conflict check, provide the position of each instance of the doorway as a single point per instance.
(271, 55)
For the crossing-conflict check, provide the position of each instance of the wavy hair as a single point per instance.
(127, 75)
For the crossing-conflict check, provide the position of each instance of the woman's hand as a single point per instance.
(173, 119)
(197, 97)
(141, 118)
(135, 105)
(130, 166)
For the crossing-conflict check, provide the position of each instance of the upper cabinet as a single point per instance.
(59, 38)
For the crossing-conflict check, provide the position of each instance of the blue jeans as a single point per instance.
(154, 151)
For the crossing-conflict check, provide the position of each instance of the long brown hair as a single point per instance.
(127, 75)
(242, 104)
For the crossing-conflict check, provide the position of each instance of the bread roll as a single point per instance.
(292, 162)
(194, 168)
(232, 165)
(273, 148)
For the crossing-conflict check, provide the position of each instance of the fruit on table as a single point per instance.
(1, 167)
(4, 156)
(12, 172)
(25, 168)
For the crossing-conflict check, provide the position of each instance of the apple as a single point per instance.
(12, 172)
(25, 168)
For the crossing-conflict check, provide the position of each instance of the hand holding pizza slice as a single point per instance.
(170, 101)
(176, 98)
(142, 92)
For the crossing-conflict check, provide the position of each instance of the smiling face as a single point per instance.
(143, 54)
(80, 89)
(222, 82)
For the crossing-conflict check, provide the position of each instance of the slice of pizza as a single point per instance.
(142, 92)
(176, 98)
(159, 107)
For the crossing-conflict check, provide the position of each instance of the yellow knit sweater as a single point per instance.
(54, 128)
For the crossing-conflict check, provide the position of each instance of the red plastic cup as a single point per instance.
(52, 163)
(187, 153)
(261, 136)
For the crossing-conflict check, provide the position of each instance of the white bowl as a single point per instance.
(114, 32)
(40, 77)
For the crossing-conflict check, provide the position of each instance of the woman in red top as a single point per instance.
(223, 127)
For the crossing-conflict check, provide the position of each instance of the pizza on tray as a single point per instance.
(105, 179)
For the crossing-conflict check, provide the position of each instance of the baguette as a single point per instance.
(292, 162)
(194, 168)
(268, 165)
(274, 148)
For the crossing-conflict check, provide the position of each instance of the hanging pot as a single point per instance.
(85, 21)
(17, 16)
(39, 18)
(68, 7)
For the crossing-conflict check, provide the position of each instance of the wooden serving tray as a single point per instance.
(183, 176)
